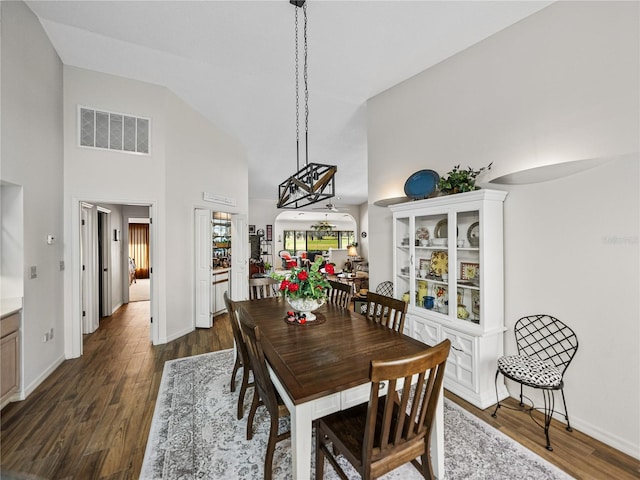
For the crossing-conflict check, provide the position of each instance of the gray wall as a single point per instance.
(559, 86)
(32, 158)
(40, 155)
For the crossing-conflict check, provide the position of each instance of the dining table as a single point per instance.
(322, 366)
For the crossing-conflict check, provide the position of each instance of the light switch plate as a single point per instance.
(34, 272)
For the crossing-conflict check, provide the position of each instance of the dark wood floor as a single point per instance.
(90, 419)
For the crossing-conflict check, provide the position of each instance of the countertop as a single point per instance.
(9, 306)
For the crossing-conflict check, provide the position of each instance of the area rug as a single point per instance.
(195, 434)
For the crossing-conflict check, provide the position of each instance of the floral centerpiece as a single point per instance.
(305, 289)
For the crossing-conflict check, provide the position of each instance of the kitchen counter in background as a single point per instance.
(9, 306)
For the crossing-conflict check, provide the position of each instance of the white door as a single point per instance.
(154, 327)
(89, 268)
(239, 288)
(203, 262)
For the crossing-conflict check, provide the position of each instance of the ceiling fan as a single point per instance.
(332, 208)
(323, 225)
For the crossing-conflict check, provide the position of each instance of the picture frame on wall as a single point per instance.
(269, 236)
(252, 229)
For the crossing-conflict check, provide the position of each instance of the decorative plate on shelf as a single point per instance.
(473, 234)
(421, 184)
(439, 262)
(442, 229)
(422, 233)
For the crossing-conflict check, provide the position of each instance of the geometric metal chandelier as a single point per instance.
(314, 182)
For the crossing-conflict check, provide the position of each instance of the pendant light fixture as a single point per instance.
(313, 182)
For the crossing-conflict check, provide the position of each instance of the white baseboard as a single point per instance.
(605, 437)
(176, 335)
(113, 310)
(41, 378)
(597, 433)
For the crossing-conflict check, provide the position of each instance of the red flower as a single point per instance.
(284, 285)
(303, 275)
(293, 287)
(329, 269)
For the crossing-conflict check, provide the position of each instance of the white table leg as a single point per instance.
(437, 439)
(301, 421)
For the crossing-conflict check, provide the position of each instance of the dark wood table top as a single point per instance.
(319, 359)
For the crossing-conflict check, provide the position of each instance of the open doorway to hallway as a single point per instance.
(139, 268)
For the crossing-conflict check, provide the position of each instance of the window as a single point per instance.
(317, 241)
(113, 131)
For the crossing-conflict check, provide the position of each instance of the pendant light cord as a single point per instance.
(306, 89)
(305, 73)
(297, 98)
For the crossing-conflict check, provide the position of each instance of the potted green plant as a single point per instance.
(458, 180)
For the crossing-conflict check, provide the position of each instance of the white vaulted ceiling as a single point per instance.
(233, 61)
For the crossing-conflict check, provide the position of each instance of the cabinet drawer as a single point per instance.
(9, 324)
(9, 381)
(425, 331)
(461, 363)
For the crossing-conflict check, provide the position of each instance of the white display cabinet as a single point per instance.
(448, 265)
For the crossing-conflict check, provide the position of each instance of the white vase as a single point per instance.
(306, 306)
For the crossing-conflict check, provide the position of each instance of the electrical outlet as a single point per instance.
(61, 265)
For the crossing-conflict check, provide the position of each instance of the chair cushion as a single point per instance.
(530, 370)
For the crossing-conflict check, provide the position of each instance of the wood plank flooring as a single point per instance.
(90, 419)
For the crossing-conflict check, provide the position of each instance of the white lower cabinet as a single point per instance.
(461, 362)
(219, 285)
(471, 366)
(424, 330)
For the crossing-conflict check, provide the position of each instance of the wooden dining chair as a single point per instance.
(242, 356)
(390, 430)
(264, 393)
(386, 311)
(264, 287)
(340, 294)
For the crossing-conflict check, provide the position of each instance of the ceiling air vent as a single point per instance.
(113, 131)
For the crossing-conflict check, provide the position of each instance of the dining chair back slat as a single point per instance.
(387, 311)
(242, 356)
(340, 294)
(263, 288)
(264, 391)
(390, 430)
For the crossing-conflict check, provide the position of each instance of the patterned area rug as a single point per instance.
(195, 434)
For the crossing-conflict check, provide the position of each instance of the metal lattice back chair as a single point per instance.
(546, 347)
(385, 288)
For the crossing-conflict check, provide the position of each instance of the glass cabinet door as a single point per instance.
(468, 266)
(432, 262)
(403, 258)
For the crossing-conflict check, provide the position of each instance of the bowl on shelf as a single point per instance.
(439, 242)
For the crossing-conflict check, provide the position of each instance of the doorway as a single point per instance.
(138, 261)
(100, 266)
